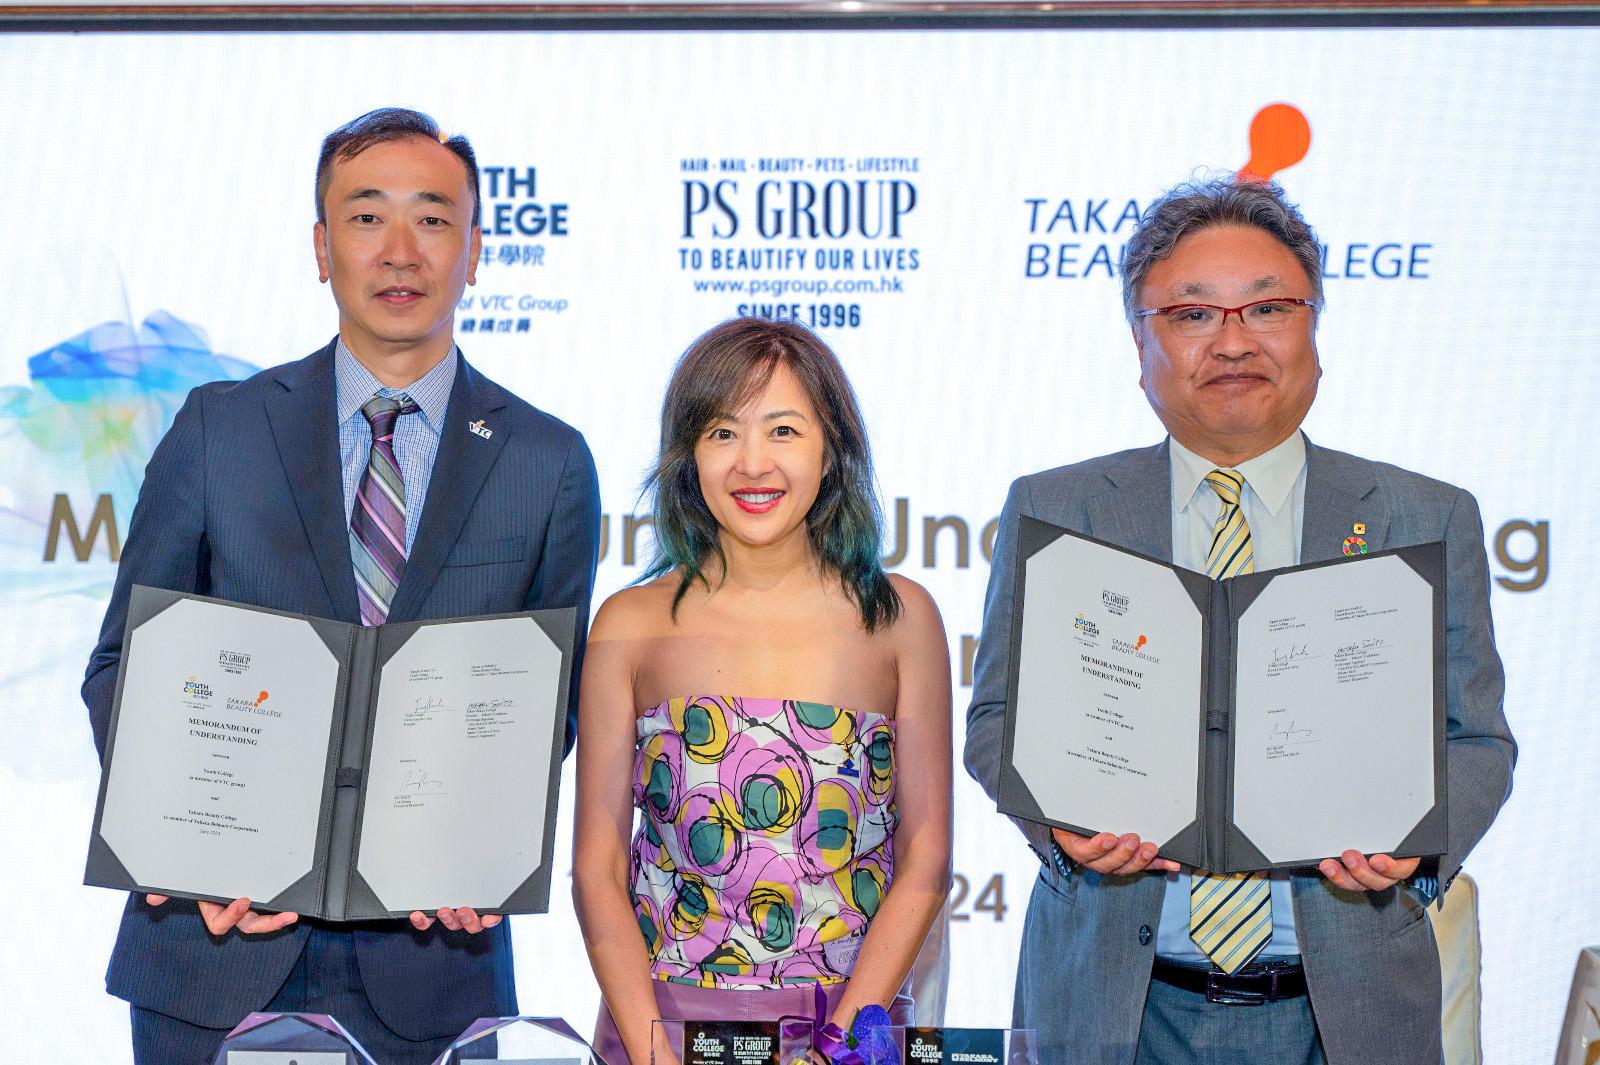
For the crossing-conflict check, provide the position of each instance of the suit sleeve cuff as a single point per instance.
(1059, 861)
(1426, 886)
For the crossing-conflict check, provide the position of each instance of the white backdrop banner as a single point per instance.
(948, 208)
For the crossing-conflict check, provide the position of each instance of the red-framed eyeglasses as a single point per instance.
(1261, 316)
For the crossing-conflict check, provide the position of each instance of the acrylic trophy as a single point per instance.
(290, 1039)
(520, 1041)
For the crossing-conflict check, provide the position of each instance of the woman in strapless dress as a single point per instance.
(774, 706)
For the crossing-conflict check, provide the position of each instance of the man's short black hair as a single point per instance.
(390, 124)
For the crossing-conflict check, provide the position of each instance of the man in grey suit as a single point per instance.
(379, 479)
(1222, 284)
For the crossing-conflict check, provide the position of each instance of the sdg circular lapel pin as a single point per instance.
(1354, 545)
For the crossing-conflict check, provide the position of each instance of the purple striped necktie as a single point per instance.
(378, 519)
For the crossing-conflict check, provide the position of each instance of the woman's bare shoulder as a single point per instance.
(919, 625)
(916, 603)
(639, 610)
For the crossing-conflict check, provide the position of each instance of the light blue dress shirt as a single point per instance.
(1274, 503)
(416, 436)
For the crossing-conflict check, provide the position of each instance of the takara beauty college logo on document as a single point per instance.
(1135, 649)
(811, 239)
(258, 706)
(1083, 235)
(524, 233)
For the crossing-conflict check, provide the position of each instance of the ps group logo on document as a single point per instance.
(235, 662)
(524, 232)
(816, 239)
(1082, 234)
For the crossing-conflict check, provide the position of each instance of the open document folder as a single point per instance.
(330, 769)
(1268, 720)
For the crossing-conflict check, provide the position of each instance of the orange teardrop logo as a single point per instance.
(1280, 136)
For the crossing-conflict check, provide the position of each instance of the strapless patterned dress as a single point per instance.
(766, 842)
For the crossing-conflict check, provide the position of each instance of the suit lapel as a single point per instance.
(1338, 498)
(1136, 511)
(463, 461)
(302, 420)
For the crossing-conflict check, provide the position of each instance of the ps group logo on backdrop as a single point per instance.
(1077, 237)
(805, 239)
(522, 234)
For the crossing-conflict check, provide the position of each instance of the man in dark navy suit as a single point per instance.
(381, 478)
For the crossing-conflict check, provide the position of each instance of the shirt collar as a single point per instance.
(354, 385)
(1271, 475)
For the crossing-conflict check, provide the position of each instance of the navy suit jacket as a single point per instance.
(242, 500)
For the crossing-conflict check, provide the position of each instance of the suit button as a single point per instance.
(1144, 935)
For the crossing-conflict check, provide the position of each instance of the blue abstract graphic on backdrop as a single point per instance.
(75, 444)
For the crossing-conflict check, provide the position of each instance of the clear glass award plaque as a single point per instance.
(290, 1039)
(520, 1041)
(971, 1046)
(781, 1042)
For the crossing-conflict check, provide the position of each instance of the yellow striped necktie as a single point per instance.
(1230, 914)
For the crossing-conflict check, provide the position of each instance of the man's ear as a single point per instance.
(477, 254)
(319, 243)
(1138, 347)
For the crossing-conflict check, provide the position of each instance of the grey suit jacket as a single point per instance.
(1370, 959)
